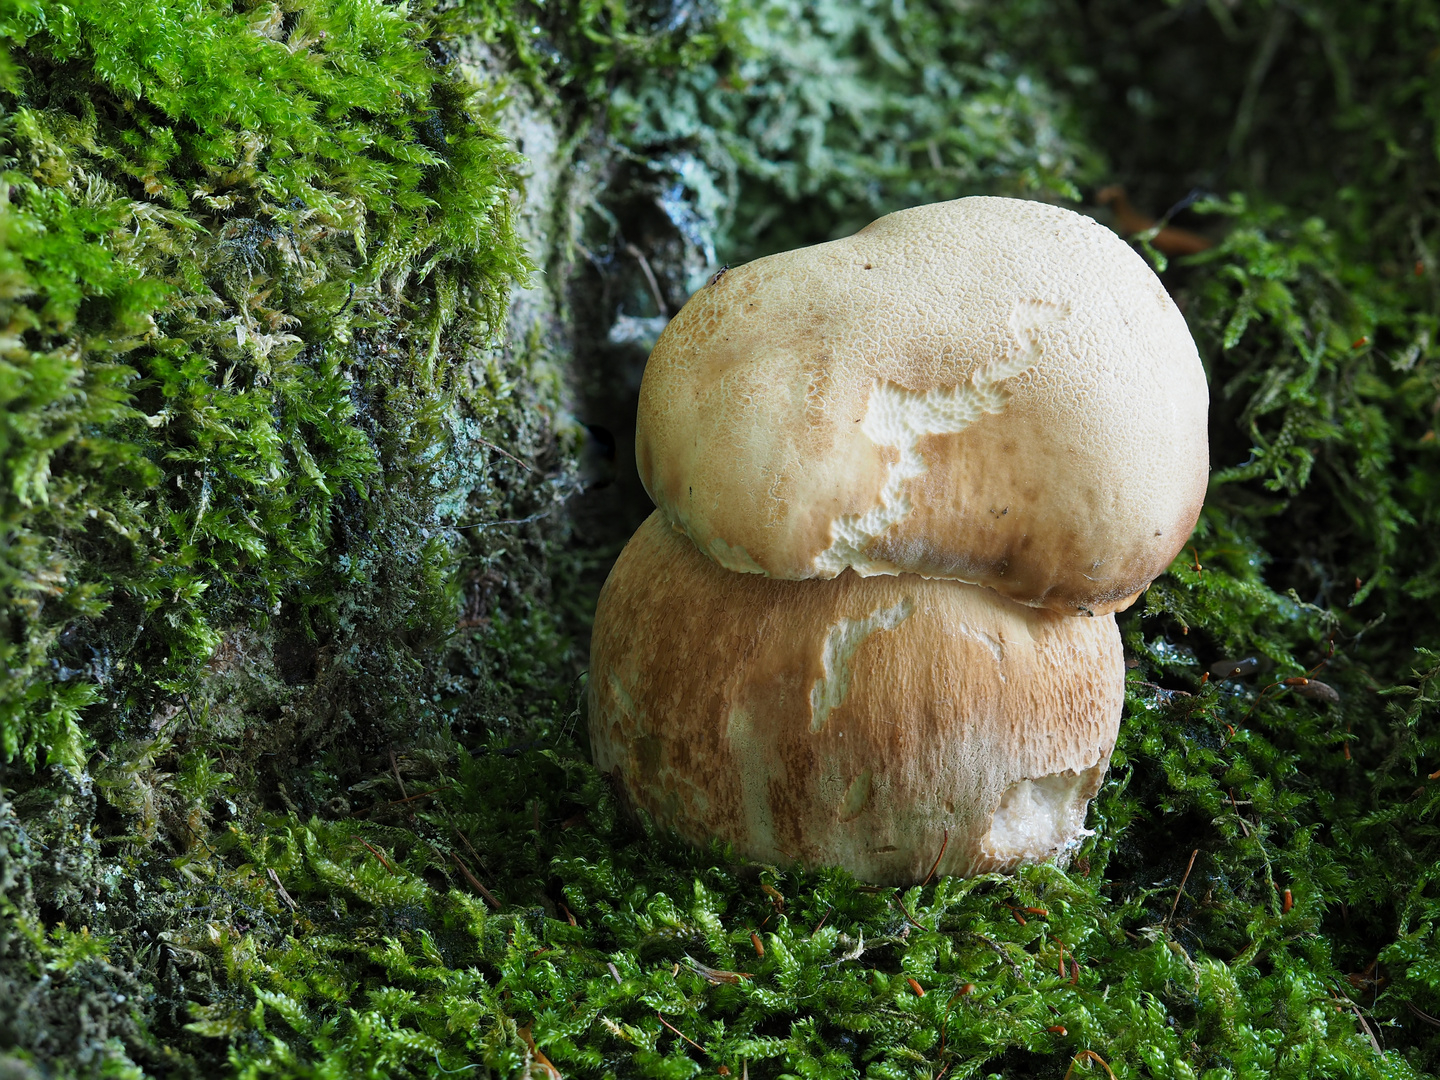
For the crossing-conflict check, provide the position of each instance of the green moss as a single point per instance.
(814, 119)
(256, 263)
(213, 217)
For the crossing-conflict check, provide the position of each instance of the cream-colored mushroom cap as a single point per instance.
(852, 722)
(989, 390)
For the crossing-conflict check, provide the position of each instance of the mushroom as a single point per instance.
(871, 723)
(987, 390)
(904, 462)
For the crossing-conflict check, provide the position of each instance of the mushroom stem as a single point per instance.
(951, 719)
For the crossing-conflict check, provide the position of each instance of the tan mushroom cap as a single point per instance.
(849, 722)
(988, 390)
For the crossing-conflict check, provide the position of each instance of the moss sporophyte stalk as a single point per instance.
(323, 328)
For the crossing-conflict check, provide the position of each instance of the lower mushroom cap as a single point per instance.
(851, 722)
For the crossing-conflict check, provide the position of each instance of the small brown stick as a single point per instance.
(376, 852)
(1342, 1001)
(395, 768)
(502, 450)
(822, 920)
(908, 917)
(639, 256)
(1255, 704)
(395, 802)
(1243, 827)
(540, 1059)
(468, 846)
(1183, 880)
(1092, 1056)
(1423, 1015)
(1368, 1031)
(475, 883)
(615, 973)
(677, 1031)
(1295, 680)
(275, 878)
(936, 864)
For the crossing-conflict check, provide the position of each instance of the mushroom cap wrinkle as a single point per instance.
(988, 390)
(854, 721)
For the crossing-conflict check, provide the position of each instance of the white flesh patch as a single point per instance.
(901, 418)
(734, 557)
(1039, 818)
(842, 642)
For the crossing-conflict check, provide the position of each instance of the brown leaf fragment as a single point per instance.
(717, 975)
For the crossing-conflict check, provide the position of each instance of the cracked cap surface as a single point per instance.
(988, 390)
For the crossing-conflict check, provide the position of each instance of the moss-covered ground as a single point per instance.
(322, 322)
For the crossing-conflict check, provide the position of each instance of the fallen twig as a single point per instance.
(376, 852)
(936, 865)
(1243, 827)
(650, 279)
(677, 1031)
(475, 883)
(275, 878)
(1180, 890)
(502, 450)
(1423, 1015)
(821, 923)
(1092, 1056)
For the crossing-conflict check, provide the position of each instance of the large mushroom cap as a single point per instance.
(989, 390)
(853, 721)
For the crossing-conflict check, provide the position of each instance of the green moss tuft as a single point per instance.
(213, 215)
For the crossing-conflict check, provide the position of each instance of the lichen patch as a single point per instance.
(857, 796)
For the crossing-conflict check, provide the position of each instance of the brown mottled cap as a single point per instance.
(852, 721)
(988, 390)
